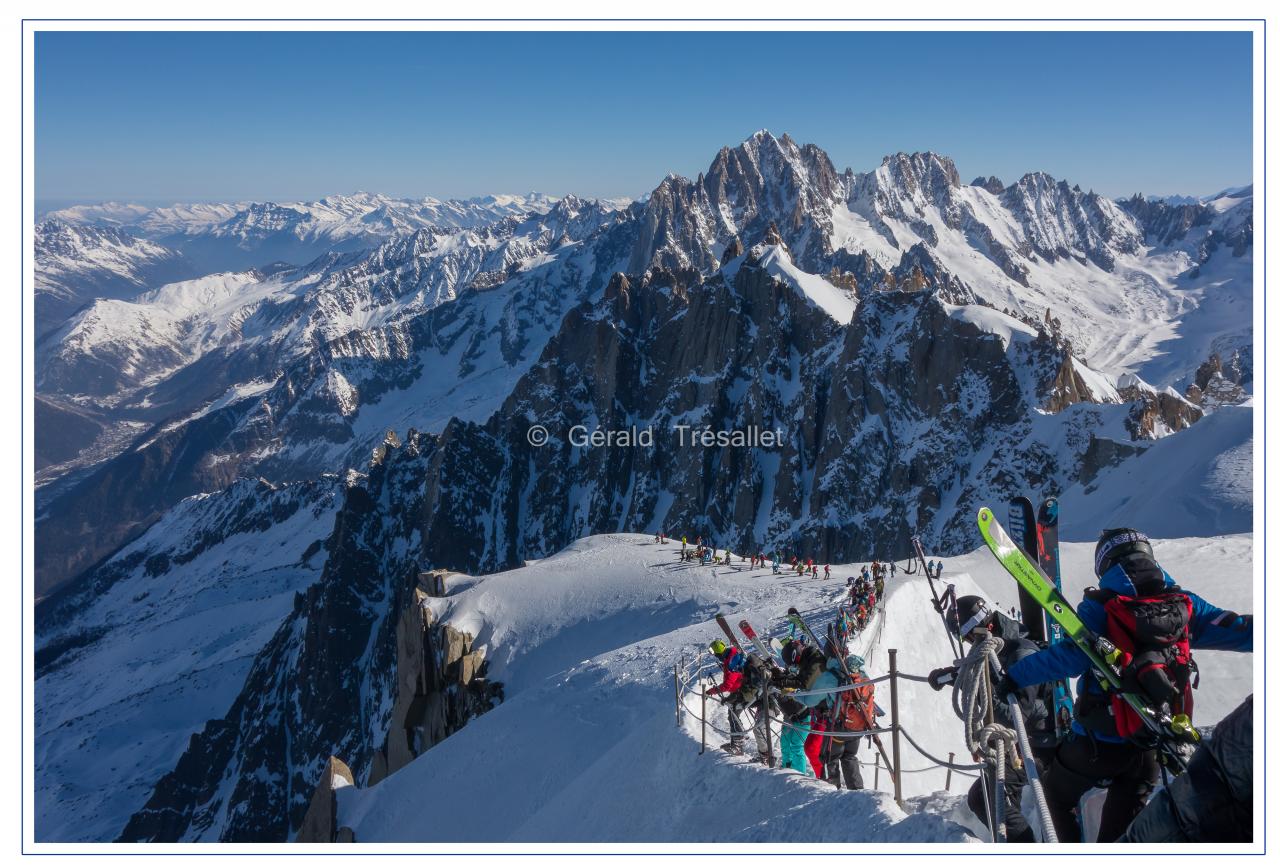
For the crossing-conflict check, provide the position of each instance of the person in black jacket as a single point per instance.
(972, 619)
(1212, 801)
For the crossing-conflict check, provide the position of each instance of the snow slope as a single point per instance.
(130, 667)
(586, 747)
(1199, 481)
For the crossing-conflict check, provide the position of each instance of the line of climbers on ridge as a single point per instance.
(821, 725)
(706, 553)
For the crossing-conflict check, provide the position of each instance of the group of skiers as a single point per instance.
(863, 595)
(1153, 626)
(801, 693)
(707, 554)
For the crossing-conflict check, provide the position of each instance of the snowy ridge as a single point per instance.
(337, 217)
(586, 641)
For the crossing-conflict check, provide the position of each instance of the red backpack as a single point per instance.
(1153, 637)
(851, 717)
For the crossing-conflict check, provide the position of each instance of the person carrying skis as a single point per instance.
(795, 713)
(971, 619)
(811, 675)
(1154, 625)
(854, 711)
(733, 661)
(757, 688)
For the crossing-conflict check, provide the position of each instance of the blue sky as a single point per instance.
(221, 116)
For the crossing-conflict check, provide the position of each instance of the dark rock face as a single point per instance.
(320, 825)
(1166, 223)
(992, 184)
(1060, 219)
(1217, 383)
(1155, 414)
(334, 661)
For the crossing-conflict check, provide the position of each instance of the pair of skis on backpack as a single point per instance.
(1036, 532)
(1048, 597)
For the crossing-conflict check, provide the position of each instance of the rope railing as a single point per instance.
(688, 679)
(962, 769)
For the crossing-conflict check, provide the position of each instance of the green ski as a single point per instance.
(1040, 588)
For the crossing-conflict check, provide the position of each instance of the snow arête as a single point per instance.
(1166, 730)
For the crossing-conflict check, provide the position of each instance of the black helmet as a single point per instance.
(1115, 546)
(791, 650)
(968, 614)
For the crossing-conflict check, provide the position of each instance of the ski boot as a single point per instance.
(732, 748)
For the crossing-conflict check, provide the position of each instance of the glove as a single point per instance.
(791, 706)
(940, 677)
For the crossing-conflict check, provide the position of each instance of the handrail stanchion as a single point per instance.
(678, 666)
(704, 718)
(951, 757)
(768, 728)
(893, 707)
(876, 784)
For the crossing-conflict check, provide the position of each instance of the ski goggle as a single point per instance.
(980, 616)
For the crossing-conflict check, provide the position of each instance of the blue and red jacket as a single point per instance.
(733, 662)
(1211, 628)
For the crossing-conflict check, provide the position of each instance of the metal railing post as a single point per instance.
(876, 784)
(893, 707)
(951, 757)
(676, 666)
(704, 718)
(768, 729)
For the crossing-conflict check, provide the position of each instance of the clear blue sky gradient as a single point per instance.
(229, 116)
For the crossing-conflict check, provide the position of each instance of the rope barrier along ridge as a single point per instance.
(963, 769)
(938, 764)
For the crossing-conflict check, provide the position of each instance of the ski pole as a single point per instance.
(937, 602)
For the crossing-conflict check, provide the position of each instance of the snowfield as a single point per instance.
(587, 642)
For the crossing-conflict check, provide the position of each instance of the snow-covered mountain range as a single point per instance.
(327, 427)
(293, 372)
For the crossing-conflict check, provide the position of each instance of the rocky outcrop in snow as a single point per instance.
(320, 823)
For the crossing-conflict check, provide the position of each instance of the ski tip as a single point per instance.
(984, 516)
